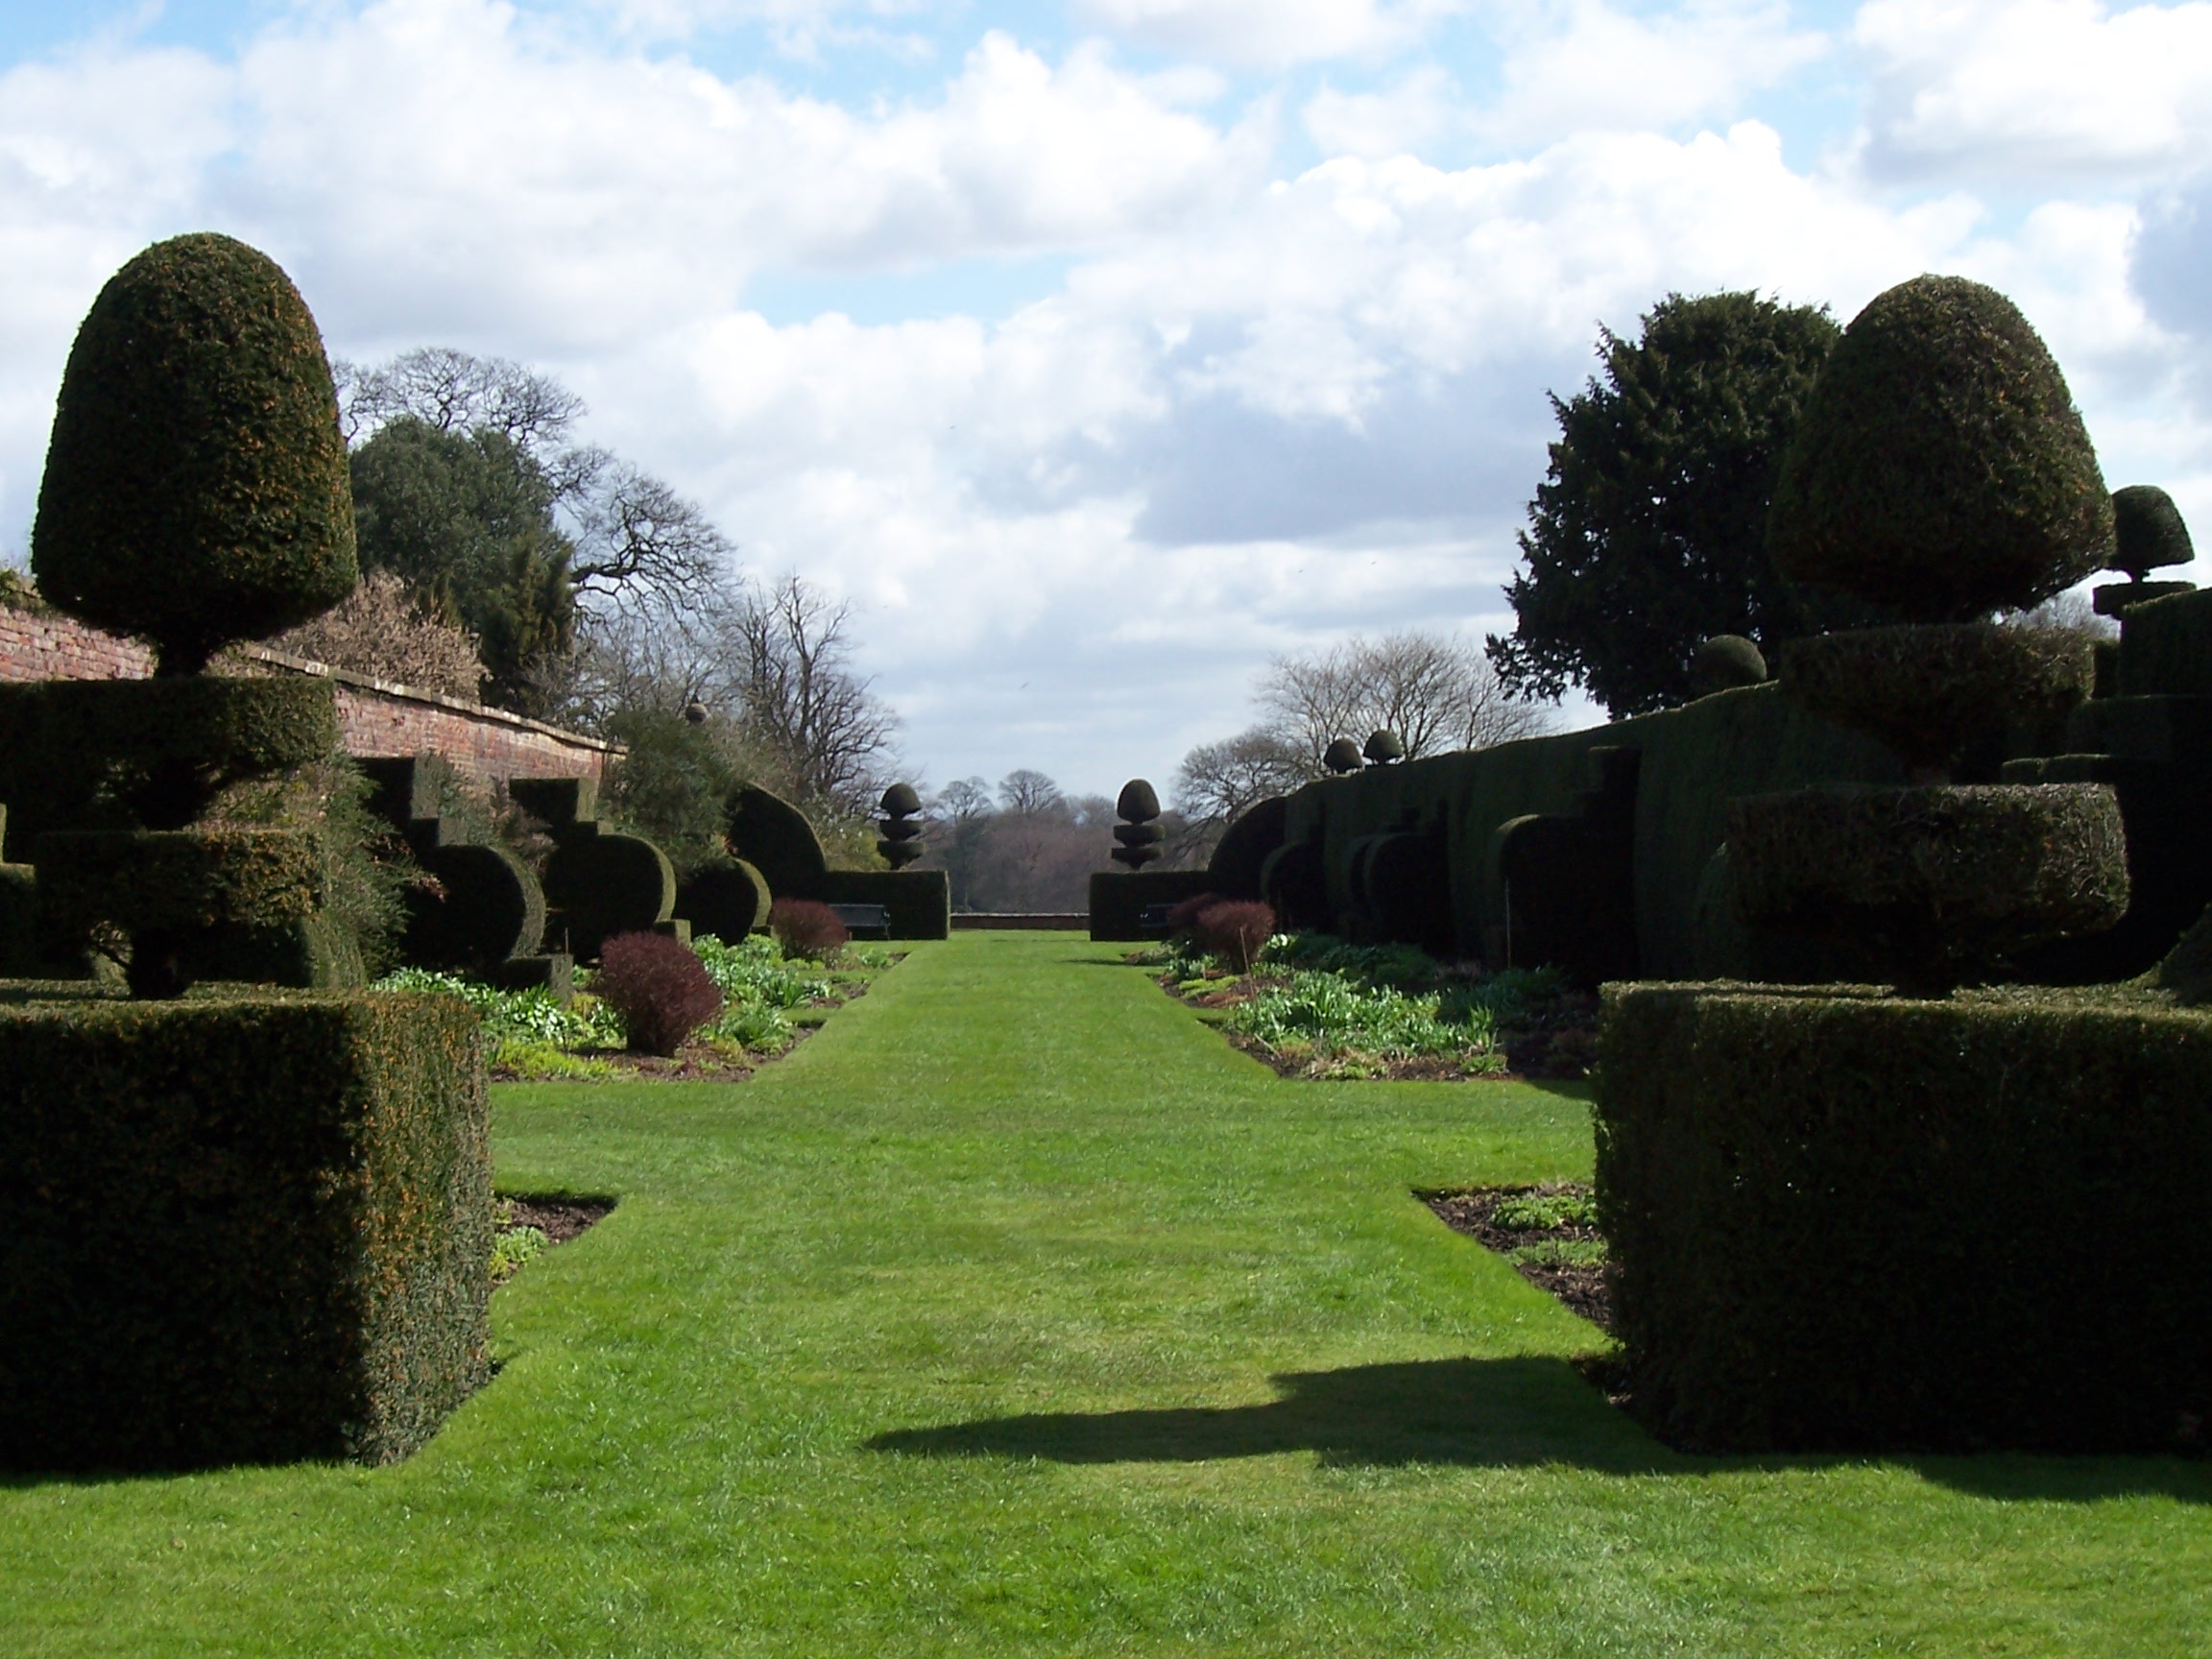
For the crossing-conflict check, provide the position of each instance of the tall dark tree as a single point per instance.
(466, 521)
(1648, 534)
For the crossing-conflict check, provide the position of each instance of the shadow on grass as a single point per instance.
(1489, 1413)
(1458, 1411)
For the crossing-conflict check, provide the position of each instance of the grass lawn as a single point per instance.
(1016, 1312)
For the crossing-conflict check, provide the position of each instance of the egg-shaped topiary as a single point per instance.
(1940, 469)
(196, 489)
(1139, 802)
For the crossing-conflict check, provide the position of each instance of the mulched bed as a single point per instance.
(1583, 1290)
(560, 1220)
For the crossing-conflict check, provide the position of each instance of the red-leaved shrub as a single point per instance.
(659, 987)
(1184, 915)
(1234, 929)
(805, 927)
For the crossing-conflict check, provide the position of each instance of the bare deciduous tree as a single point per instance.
(800, 697)
(377, 629)
(1436, 691)
(1218, 782)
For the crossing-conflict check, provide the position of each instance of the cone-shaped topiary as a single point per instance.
(2149, 531)
(1727, 660)
(196, 489)
(1942, 469)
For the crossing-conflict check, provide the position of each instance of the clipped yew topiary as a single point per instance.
(1942, 469)
(196, 489)
(1139, 836)
(1727, 660)
(2149, 531)
(1941, 472)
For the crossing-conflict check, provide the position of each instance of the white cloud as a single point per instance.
(1260, 411)
(1268, 33)
(2033, 91)
(1601, 67)
(1397, 120)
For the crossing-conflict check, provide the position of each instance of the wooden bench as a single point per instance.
(864, 921)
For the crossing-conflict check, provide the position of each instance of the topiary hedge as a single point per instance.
(1941, 467)
(1846, 1222)
(245, 1230)
(196, 488)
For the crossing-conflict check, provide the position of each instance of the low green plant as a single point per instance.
(515, 1247)
(550, 1063)
(1331, 1016)
(1537, 1213)
(519, 1020)
(1560, 1253)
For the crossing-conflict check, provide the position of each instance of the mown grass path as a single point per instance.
(1015, 1312)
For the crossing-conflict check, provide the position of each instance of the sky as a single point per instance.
(1100, 351)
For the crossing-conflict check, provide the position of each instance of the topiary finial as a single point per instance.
(196, 489)
(1942, 469)
(2149, 533)
(1341, 756)
(1383, 748)
(1728, 660)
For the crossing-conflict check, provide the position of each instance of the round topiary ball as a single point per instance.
(196, 489)
(900, 801)
(1341, 756)
(1383, 748)
(1942, 469)
(2149, 531)
(1728, 660)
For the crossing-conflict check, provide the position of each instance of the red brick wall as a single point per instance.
(375, 718)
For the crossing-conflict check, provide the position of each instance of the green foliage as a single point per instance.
(1337, 1022)
(466, 521)
(754, 971)
(534, 1036)
(1727, 660)
(670, 786)
(164, 749)
(252, 1229)
(196, 488)
(1560, 1253)
(773, 836)
(1931, 885)
(1942, 469)
(177, 879)
(2149, 531)
(2166, 647)
(1847, 1221)
(1931, 693)
(1539, 1212)
(519, 1019)
(1648, 534)
(514, 1248)
(601, 885)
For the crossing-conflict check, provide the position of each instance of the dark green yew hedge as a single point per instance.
(1838, 1222)
(252, 1229)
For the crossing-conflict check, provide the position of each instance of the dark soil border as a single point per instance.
(1582, 1290)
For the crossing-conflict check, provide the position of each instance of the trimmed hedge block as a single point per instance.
(2166, 646)
(1120, 898)
(917, 904)
(173, 878)
(254, 1228)
(1840, 1221)
(172, 745)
